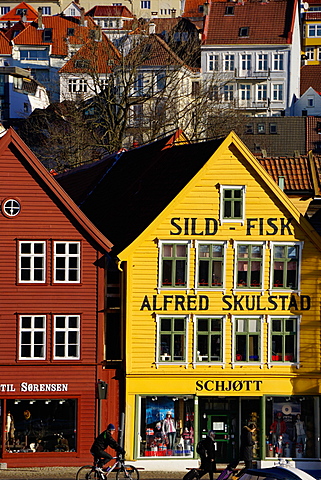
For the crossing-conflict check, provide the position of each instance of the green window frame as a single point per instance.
(209, 339)
(174, 264)
(284, 339)
(249, 265)
(172, 339)
(232, 203)
(247, 339)
(286, 266)
(210, 265)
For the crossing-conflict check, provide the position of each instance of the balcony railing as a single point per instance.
(254, 74)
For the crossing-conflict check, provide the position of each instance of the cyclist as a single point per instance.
(104, 440)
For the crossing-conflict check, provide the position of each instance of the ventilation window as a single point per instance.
(229, 10)
(244, 32)
(10, 207)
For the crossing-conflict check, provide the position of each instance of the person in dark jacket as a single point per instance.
(208, 463)
(246, 449)
(104, 440)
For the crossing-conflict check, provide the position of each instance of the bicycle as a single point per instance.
(95, 472)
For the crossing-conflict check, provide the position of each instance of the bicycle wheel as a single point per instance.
(87, 473)
(127, 472)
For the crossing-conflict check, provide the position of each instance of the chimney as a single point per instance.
(205, 8)
(152, 28)
(82, 16)
(40, 24)
(173, 12)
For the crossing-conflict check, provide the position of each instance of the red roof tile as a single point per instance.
(310, 77)
(5, 47)
(296, 172)
(11, 16)
(109, 11)
(268, 22)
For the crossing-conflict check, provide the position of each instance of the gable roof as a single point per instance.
(11, 140)
(310, 77)
(5, 47)
(110, 11)
(268, 22)
(99, 57)
(12, 16)
(31, 35)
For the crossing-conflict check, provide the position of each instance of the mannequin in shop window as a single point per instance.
(300, 435)
(278, 427)
(10, 429)
(169, 430)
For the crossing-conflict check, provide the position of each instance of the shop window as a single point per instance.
(47, 425)
(232, 203)
(67, 337)
(292, 423)
(67, 262)
(249, 265)
(32, 262)
(210, 267)
(209, 339)
(247, 339)
(171, 339)
(284, 339)
(173, 264)
(167, 426)
(286, 265)
(32, 337)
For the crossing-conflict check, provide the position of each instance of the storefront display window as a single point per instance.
(291, 427)
(167, 426)
(41, 425)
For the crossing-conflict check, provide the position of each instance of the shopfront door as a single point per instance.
(221, 424)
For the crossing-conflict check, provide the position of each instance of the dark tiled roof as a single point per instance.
(268, 22)
(131, 193)
(310, 77)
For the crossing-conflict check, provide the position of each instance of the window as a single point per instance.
(210, 264)
(77, 85)
(278, 92)
(67, 337)
(261, 128)
(246, 62)
(262, 61)
(171, 335)
(67, 262)
(249, 129)
(34, 54)
(229, 10)
(46, 10)
(310, 101)
(262, 93)
(209, 339)
(249, 265)
(10, 207)
(245, 92)
(21, 11)
(72, 12)
(229, 62)
(314, 30)
(286, 265)
(25, 107)
(70, 32)
(145, 4)
(232, 205)
(228, 93)
(173, 262)
(196, 89)
(278, 61)
(161, 81)
(309, 53)
(247, 339)
(273, 128)
(32, 337)
(213, 63)
(4, 10)
(244, 31)
(284, 339)
(32, 262)
(83, 63)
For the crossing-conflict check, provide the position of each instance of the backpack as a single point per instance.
(200, 449)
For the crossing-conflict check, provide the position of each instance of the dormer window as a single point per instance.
(229, 10)
(21, 11)
(70, 32)
(47, 35)
(244, 32)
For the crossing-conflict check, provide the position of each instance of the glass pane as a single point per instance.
(73, 322)
(237, 193)
(217, 278)
(256, 251)
(227, 209)
(166, 325)
(290, 353)
(227, 193)
(243, 251)
(241, 325)
(25, 262)
(167, 272)
(255, 274)
(279, 251)
(203, 273)
(73, 337)
(242, 273)
(216, 324)
(202, 325)
(73, 248)
(38, 275)
(253, 348)
(25, 338)
(178, 347)
(61, 248)
(38, 248)
(293, 251)
(73, 275)
(73, 262)
(60, 262)
(204, 250)
(60, 338)
(217, 250)
(253, 325)
(38, 351)
(60, 322)
(237, 209)
(26, 351)
(202, 348)
(180, 273)
(25, 248)
(278, 269)
(38, 338)
(277, 325)
(26, 322)
(240, 348)
(60, 351)
(179, 324)
(72, 351)
(165, 346)
(181, 250)
(290, 325)
(215, 347)
(291, 281)
(277, 348)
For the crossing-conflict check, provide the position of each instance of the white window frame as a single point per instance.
(272, 245)
(245, 92)
(196, 360)
(232, 220)
(32, 256)
(262, 62)
(65, 330)
(246, 62)
(160, 264)
(248, 289)
(310, 101)
(278, 92)
(145, 4)
(270, 363)
(213, 62)
(165, 362)
(309, 53)
(278, 62)
(261, 91)
(314, 30)
(67, 257)
(229, 62)
(33, 331)
(233, 321)
(218, 289)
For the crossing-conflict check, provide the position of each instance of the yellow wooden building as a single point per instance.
(222, 314)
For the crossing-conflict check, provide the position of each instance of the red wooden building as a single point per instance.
(52, 264)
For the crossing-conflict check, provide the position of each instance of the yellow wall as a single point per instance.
(230, 165)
